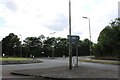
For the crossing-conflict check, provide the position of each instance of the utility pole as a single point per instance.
(70, 45)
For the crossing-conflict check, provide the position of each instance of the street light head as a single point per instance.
(85, 17)
(53, 33)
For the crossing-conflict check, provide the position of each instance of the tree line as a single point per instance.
(40, 46)
(108, 44)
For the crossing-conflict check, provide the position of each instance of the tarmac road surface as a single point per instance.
(47, 63)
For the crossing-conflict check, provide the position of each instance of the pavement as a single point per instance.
(63, 73)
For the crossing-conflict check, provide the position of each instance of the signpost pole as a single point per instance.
(70, 45)
(77, 54)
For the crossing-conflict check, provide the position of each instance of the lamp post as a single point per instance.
(53, 50)
(52, 45)
(89, 36)
(21, 46)
(70, 44)
(14, 49)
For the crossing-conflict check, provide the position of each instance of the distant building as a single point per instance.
(0, 48)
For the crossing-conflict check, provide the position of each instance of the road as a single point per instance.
(47, 63)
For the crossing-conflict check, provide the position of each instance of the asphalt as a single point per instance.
(63, 73)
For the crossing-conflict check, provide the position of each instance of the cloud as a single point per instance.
(9, 4)
(58, 24)
(35, 17)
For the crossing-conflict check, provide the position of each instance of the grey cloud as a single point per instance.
(10, 5)
(58, 24)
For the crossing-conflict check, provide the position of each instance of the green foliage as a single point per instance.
(9, 44)
(84, 47)
(42, 46)
(109, 40)
(32, 46)
(60, 46)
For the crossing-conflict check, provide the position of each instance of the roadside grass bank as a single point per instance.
(13, 58)
(16, 60)
(102, 61)
(107, 58)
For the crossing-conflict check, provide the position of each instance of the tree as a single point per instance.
(84, 47)
(48, 43)
(61, 47)
(41, 39)
(33, 46)
(109, 40)
(11, 45)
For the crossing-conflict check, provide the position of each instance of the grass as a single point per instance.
(102, 61)
(106, 58)
(14, 58)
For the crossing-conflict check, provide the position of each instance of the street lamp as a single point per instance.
(14, 49)
(21, 46)
(89, 36)
(52, 45)
(52, 50)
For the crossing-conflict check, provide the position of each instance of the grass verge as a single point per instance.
(102, 61)
(14, 58)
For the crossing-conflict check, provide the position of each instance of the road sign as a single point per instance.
(74, 39)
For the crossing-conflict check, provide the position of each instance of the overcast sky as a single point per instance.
(35, 17)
